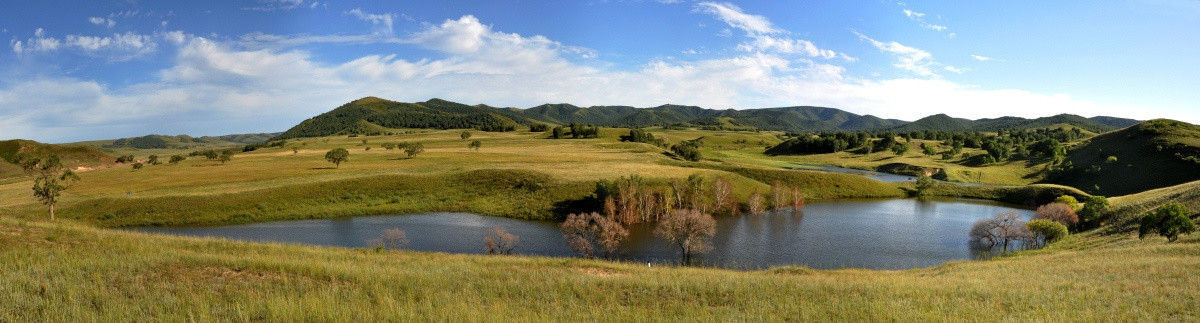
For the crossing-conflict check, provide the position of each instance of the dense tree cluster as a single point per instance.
(689, 149)
(575, 131)
(1001, 146)
(539, 127)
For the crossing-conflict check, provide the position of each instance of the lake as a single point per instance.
(876, 234)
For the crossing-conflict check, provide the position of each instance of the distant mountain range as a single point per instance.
(372, 114)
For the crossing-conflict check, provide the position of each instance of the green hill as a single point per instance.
(180, 141)
(73, 156)
(375, 115)
(1150, 155)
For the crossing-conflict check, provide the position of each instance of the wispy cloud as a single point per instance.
(100, 21)
(981, 58)
(382, 21)
(272, 5)
(919, 17)
(764, 36)
(907, 58)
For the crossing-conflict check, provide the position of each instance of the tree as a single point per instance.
(1169, 221)
(137, 166)
(1069, 201)
(52, 180)
(722, 192)
(899, 149)
(587, 232)
(538, 127)
(558, 133)
(413, 149)
(389, 146)
(779, 195)
(924, 184)
(928, 150)
(1090, 216)
(393, 238)
(475, 144)
(175, 159)
(226, 156)
(152, 160)
(295, 150)
(797, 199)
(1057, 212)
(210, 154)
(465, 135)
(337, 156)
(1004, 228)
(754, 203)
(689, 230)
(1046, 231)
(500, 242)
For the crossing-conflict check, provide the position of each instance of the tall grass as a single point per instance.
(67, 272)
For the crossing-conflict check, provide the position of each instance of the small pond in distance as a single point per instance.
(877, 234)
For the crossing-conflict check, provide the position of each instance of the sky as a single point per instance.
(88, 70)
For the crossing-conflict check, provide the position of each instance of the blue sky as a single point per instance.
(93, 70)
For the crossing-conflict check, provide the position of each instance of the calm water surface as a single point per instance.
(878, 234)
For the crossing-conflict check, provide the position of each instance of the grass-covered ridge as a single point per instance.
(1153, 154)
(66, 271)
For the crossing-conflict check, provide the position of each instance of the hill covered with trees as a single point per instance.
(1153, 154)
(373, 115)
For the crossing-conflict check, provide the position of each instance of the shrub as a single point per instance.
(1069, 201)
(1057, 212)
(1169, 221)
(689, 230)
(500, 242)
(1046, 231)
(1090, 216)
(538, 127)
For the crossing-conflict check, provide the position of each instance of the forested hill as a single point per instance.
(371, 114)
(942, 122)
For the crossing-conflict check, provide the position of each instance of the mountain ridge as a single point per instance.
(444, 114)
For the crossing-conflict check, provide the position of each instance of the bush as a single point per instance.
(1169, 221)
(1069, 201)
(538, 127)
(1047, 231)
(1057, 212)
(1090, 216)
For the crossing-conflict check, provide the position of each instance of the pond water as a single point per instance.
(881, 176)
(877, 234)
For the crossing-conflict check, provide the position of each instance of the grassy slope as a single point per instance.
(1140, 163)
(70, 272)
(73, 156)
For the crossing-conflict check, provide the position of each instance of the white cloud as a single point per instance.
(381, 21)
(732, 15)
(913, 14)
(920, 19)
(911, 59)
(99, 21)
(272, 5)
(981, 58)
(761, 32)
(118, 47)
(955, 70)
(215, 84)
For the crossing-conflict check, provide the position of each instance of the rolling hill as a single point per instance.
(73, 156)
(374, 115)
(1153, 154)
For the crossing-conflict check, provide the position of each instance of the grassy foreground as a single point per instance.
(71, 272)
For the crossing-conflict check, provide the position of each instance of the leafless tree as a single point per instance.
(1004, 229)
(1057, 212)
(721, 190)
(587, 232)
(779, 195)
(500, 242)
(393, 239)
(754, 203)
(797, 198)
(690, 230)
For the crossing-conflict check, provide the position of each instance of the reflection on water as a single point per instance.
(882, 234)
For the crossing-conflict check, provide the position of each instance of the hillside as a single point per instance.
(1150, 155)
(73, 156)
(374, 115)
(942, 122)
(180, 141)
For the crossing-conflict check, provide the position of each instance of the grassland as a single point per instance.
(76, 270)
(66, 271)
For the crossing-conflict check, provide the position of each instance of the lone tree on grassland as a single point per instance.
(1169, 220)
(337, 156)
(465, 135)
(690, 230)
(500, 242)
(475, 144)
(52, 180)
(413, 149)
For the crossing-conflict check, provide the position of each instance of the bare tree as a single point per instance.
(754, 203)
(500, 242)
(1057, 212)
(779, 195)
(721, 190)
(1004, 229)
(587, 232)
(797, 198)
(393, 238)
(690, 230)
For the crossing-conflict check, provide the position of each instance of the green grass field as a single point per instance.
(76, 269)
